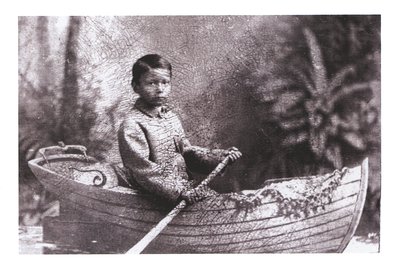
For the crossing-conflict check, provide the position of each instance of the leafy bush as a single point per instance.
(316, 96)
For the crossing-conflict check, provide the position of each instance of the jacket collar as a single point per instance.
(150, 110)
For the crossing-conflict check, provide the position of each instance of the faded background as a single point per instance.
(297, 95)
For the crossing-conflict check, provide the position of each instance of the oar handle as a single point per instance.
(150, 236)
(215, 172)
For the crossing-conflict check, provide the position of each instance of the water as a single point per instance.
(31, 242)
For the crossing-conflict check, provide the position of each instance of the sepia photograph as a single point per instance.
(199, 134)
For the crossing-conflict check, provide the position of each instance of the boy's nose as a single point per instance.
(160, 88)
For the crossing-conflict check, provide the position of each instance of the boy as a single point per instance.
(152, 142)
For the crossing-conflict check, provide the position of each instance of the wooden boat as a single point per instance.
(306, 214)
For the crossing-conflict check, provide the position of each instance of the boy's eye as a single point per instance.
(152, 83)
(155, 83)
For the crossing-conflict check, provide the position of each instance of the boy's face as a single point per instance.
(154, 86)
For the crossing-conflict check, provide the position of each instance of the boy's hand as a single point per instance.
(197, 194)
(233, 153)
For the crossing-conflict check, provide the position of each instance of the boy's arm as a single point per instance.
(135, 153)
(199, 159)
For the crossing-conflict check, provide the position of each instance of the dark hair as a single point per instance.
(146, 63)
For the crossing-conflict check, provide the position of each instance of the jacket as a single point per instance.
(157, 154)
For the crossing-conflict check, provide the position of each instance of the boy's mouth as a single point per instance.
(160, 99)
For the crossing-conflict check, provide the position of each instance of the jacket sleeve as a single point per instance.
(199, 159)
(135, 153)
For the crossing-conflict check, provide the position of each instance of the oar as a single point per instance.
(150, 236)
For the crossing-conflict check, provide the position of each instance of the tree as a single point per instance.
(49, 114)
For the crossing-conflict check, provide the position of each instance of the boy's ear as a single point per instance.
(134, 86)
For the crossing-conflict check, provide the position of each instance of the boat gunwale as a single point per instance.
(131, 191)
(186, 210)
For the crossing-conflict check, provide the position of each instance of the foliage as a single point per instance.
(327, 126)
(316, 99)
(49, 114)
(313, 107)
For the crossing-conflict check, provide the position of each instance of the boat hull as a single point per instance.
(269, 220)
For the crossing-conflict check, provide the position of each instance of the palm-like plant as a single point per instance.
(329, 124)
(305, 106)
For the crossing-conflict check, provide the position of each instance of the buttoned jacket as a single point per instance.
(157, 154)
